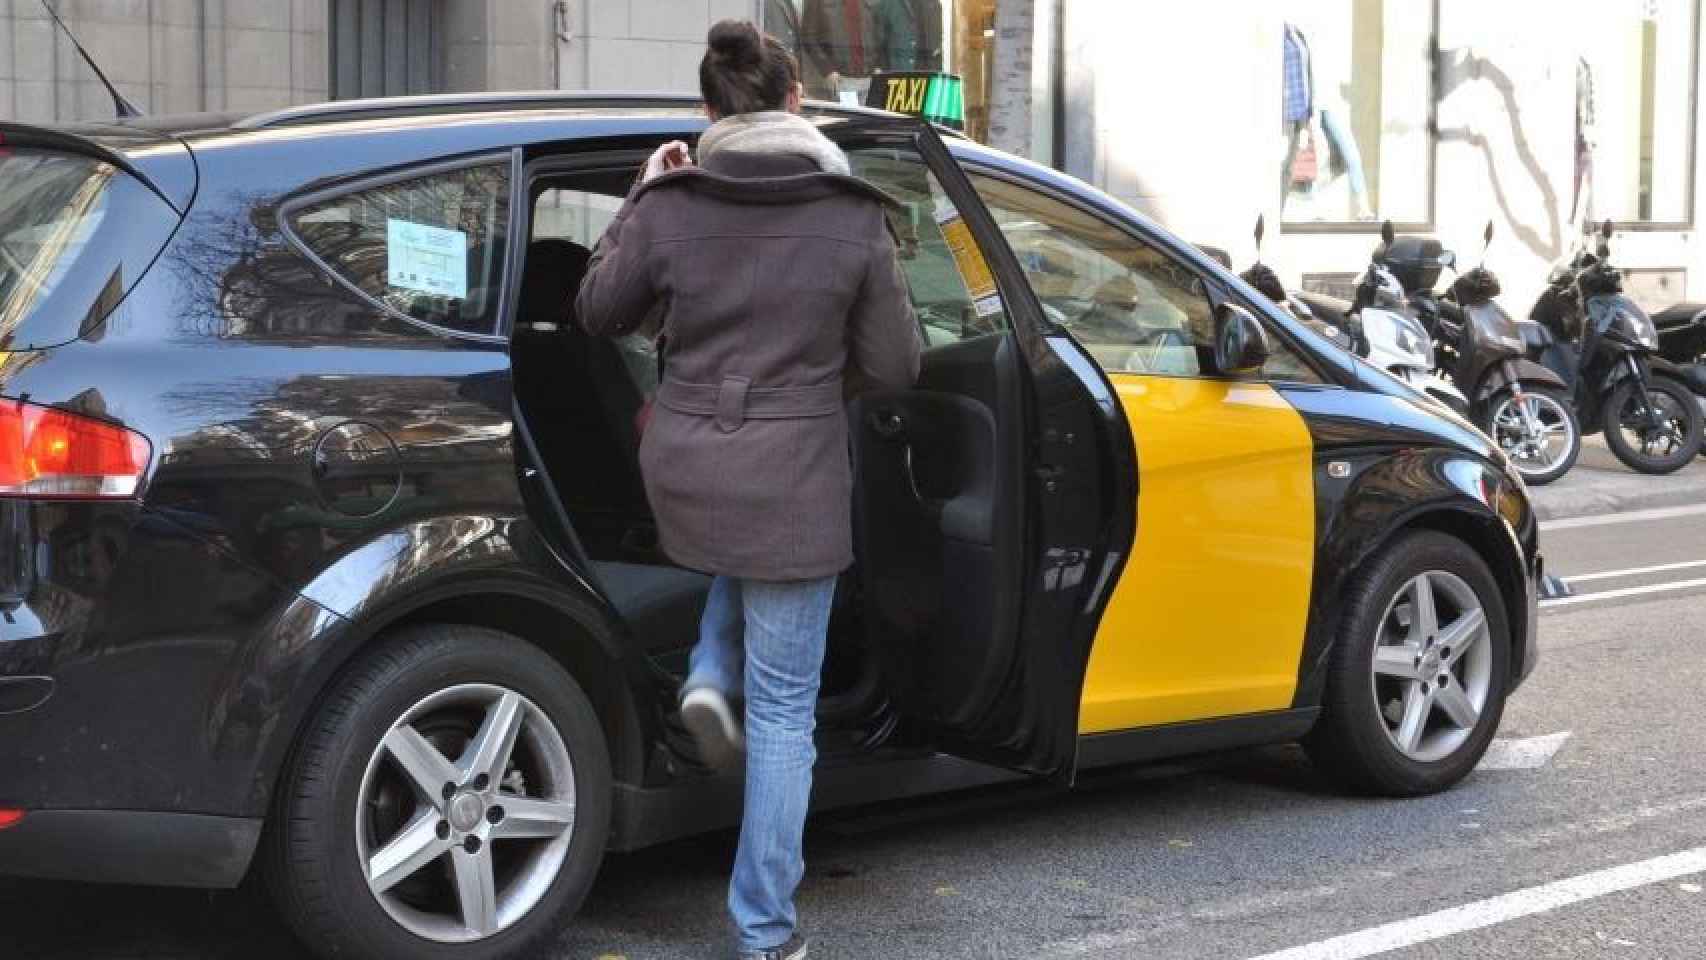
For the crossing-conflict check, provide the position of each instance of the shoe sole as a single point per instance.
(713, 727)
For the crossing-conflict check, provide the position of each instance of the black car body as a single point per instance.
(324, 469)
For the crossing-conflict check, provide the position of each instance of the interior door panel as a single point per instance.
(936, 522)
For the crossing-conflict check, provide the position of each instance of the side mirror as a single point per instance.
(1388, 233)
(1261, 230)
(1240, 343)
(1487, 235)
(1604, 246)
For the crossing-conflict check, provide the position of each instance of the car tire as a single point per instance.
(449, 686)
(1361, 739)
(1681, 400)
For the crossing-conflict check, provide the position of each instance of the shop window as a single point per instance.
(1634, 117)
(1356, 93)
(847, 49)
(430, 248)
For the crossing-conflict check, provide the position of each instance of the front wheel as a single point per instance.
(1661, 435)
(449, 801)
(1417, 678)
(1538, 431)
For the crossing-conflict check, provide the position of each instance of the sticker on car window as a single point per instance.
(425, 258)
(968, 259)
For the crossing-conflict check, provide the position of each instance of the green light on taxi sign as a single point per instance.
(937, 97)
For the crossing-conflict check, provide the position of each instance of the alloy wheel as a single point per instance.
(1534, 431)
(465, 813)
(1432, 666)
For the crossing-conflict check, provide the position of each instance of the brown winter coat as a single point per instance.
(777, 281)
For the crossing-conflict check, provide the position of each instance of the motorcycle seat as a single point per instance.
(1680, 315)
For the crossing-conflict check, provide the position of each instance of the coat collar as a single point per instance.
(765, 189)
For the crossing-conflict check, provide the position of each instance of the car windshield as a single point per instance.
(75, 233)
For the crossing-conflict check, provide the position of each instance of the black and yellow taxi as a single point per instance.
(326, 549)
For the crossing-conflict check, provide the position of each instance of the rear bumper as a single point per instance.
(130, 846)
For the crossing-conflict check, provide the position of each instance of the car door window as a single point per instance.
(430, 248)
(1132, 306)
(953, 289)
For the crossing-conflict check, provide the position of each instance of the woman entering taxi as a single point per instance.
(779, 289)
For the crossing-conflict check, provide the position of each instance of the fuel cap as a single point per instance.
(357, 469)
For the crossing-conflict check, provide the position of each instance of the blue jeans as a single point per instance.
(768, 639)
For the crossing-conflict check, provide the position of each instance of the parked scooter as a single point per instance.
(1584, 329)
(1682, 341)
(1260, 276)
(1377, 326)
(1524, 407)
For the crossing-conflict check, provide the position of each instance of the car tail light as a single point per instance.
(46, 452)
(9, 817)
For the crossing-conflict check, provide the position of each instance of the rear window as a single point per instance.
(430, 247)
(75, 235)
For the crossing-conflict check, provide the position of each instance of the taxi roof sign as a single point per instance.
(936, 97)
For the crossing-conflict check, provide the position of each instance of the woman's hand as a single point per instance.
(671, 156)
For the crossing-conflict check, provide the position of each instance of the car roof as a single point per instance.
(591, 112)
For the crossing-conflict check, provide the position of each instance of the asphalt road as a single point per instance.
(1599, 850)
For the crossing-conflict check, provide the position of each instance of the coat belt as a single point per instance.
(736, 400)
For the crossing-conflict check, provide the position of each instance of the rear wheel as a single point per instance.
(451, 799)
(1539, 432)
(1417, 680)
(1661, 435)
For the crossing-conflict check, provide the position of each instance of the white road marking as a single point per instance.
(1497, 910)
(1622, 592)
(1635, 571)
(1529, 753)
(1632, 516)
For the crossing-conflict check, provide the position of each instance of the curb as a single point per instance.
(1592, 503)
(1600, 485)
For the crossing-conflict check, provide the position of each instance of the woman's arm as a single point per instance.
(617, 293)
(883, 341)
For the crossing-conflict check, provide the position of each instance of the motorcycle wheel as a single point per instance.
(1542, 459)
(1666, 449)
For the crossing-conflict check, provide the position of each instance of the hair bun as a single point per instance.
(737, 43)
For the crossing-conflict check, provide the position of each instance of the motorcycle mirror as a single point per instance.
(1604, 246)
(1486, 242)
(1387, 233)
(1605, 229)
(1261, 228)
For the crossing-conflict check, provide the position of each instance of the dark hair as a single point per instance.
(745, 71)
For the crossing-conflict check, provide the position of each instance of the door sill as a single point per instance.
(1197, 736)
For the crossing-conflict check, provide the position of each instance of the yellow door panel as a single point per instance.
(1208, 618)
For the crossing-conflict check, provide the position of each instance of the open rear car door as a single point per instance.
(994, 504)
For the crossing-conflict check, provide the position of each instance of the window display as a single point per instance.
(849, 51)
(1634, 110)
(1356, 88)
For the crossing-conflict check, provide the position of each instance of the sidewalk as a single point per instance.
(1601, 484)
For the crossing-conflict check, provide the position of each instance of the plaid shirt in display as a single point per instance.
(1299, 96)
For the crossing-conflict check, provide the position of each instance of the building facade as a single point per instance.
(1323, 116)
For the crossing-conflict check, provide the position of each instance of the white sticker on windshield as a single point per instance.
(426, 258)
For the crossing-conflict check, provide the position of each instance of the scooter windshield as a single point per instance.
(1493, 329)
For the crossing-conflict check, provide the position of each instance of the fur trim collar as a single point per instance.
(773, 131)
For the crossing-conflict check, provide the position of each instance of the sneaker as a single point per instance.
(707, 715)
(794, 949)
